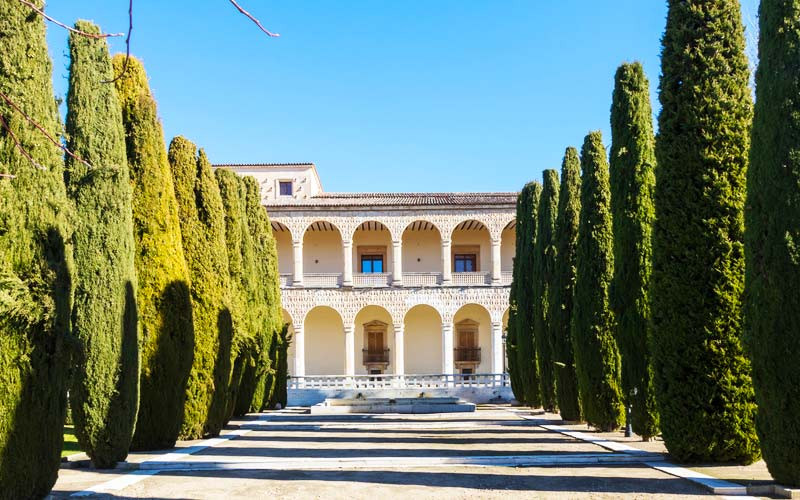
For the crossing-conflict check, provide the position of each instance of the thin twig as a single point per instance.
(258, 23)
(18, 145)
(76, 31)
(127, 45)
(42, 130)
(8, 176)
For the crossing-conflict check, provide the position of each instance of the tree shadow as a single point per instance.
(165, 374)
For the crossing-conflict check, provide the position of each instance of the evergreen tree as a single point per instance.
(702, 376)
(270, 321)
(104, 397)
(515, 372)
(596, 356)
(525, 359)
(35, 263)
(544, 261)
(561, 303)
(280, 360)
(632, 182)
(772, 214)
(165, 310)
(202, 221)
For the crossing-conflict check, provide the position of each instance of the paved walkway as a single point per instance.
(488, 454)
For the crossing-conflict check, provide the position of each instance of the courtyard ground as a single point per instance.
(492, 453)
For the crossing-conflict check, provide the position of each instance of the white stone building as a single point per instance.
(390, 290)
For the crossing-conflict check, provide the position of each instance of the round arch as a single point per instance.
(322, 249)
(423, 340)
(422, 250)
(372, 248)
(508, 246)
(471, 247)
(324, 341)
(374, 340)
(283, 243)
(472, 338)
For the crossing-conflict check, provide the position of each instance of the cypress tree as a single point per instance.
(515, 371)
(702, 376)
(165, 310)
(526, 362)
(104, 397)
(632, 183)
(561, 303)
(270, 321)
(596, 356)
(202, 222)
(772, 215)
(544, 261)
(35, 263)
(280, 360)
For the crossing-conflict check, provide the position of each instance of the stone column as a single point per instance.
(349, 350)
(397, 263)
(447, 275)
(497, 347)
(347, 279)
(447, 349)
(496, 262)
(299, 350)
(399, 349)
(297, 247)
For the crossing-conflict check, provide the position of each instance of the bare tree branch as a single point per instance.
(40, 129)
(18, 145)
(127, 45)
(250, 16)
(76, 31)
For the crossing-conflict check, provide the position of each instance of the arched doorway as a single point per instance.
(324, 342)
(423, 340)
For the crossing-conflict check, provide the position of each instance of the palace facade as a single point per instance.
(389, 286)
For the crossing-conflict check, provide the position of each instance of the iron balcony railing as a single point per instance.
(375, 356)
(467, 354)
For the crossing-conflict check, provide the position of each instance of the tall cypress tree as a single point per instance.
(561, 303)
(596, 355)
(544, 261)
(703, 378)
(165, 310)
(515, 371)
(104, 397)
(526, 361)
(202, 222)
(632, 182)
(35, 263)
(772, 217)
(270, 321)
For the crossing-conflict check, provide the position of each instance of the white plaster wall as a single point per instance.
(323, 252)
(304, 182)
(508, 247)
(475, 237)
(372, 313)
(372, 239)
(283, 242)
(324, 342)
(481, 315)
(422, 252)
(423, 341)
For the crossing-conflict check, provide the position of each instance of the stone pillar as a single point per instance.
(347, 279)
(447, 275)
(299, 340)
(496, 262)
(397, 263)
(399, 349)
(497, 347)
(447, 349)
(297, 247)
(349, 350)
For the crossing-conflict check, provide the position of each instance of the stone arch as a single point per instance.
(376, 321)
(422, 251)
(475, 317)
(283, 243)
(508, 246)
(322, 249)
(323, 328)
(471, 237)
(423, 339)
(372, 237)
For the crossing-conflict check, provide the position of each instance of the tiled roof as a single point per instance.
(262, 165)
(398, 199)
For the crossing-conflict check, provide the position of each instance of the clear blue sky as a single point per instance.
(422, 95)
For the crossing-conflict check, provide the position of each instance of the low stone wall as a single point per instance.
(477, 395)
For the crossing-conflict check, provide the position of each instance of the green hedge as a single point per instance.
(562, 302)
(165, 311)
(596, 355)
(633, 163)
(35, 264)
(544, 261)
(104, 396)
(703, 378)
(772, 218)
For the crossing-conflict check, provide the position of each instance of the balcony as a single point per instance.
(422, 279)
(286, 280)
(467, 354)
(372, 280)
(506, 277)
(375, 357)
(472, 279)
(322, 280)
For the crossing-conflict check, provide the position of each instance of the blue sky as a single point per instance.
(422, 95)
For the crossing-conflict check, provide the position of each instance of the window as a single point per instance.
(465, 262)
(372, 263)
(285, 188)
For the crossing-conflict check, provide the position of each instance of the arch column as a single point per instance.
(497, 347)
(447, 274)
(349, 350)
(496, 262)
(299, 350)
(347, 278)
(397, 263)
(448, 367)
(399, 348)
(297, 251)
